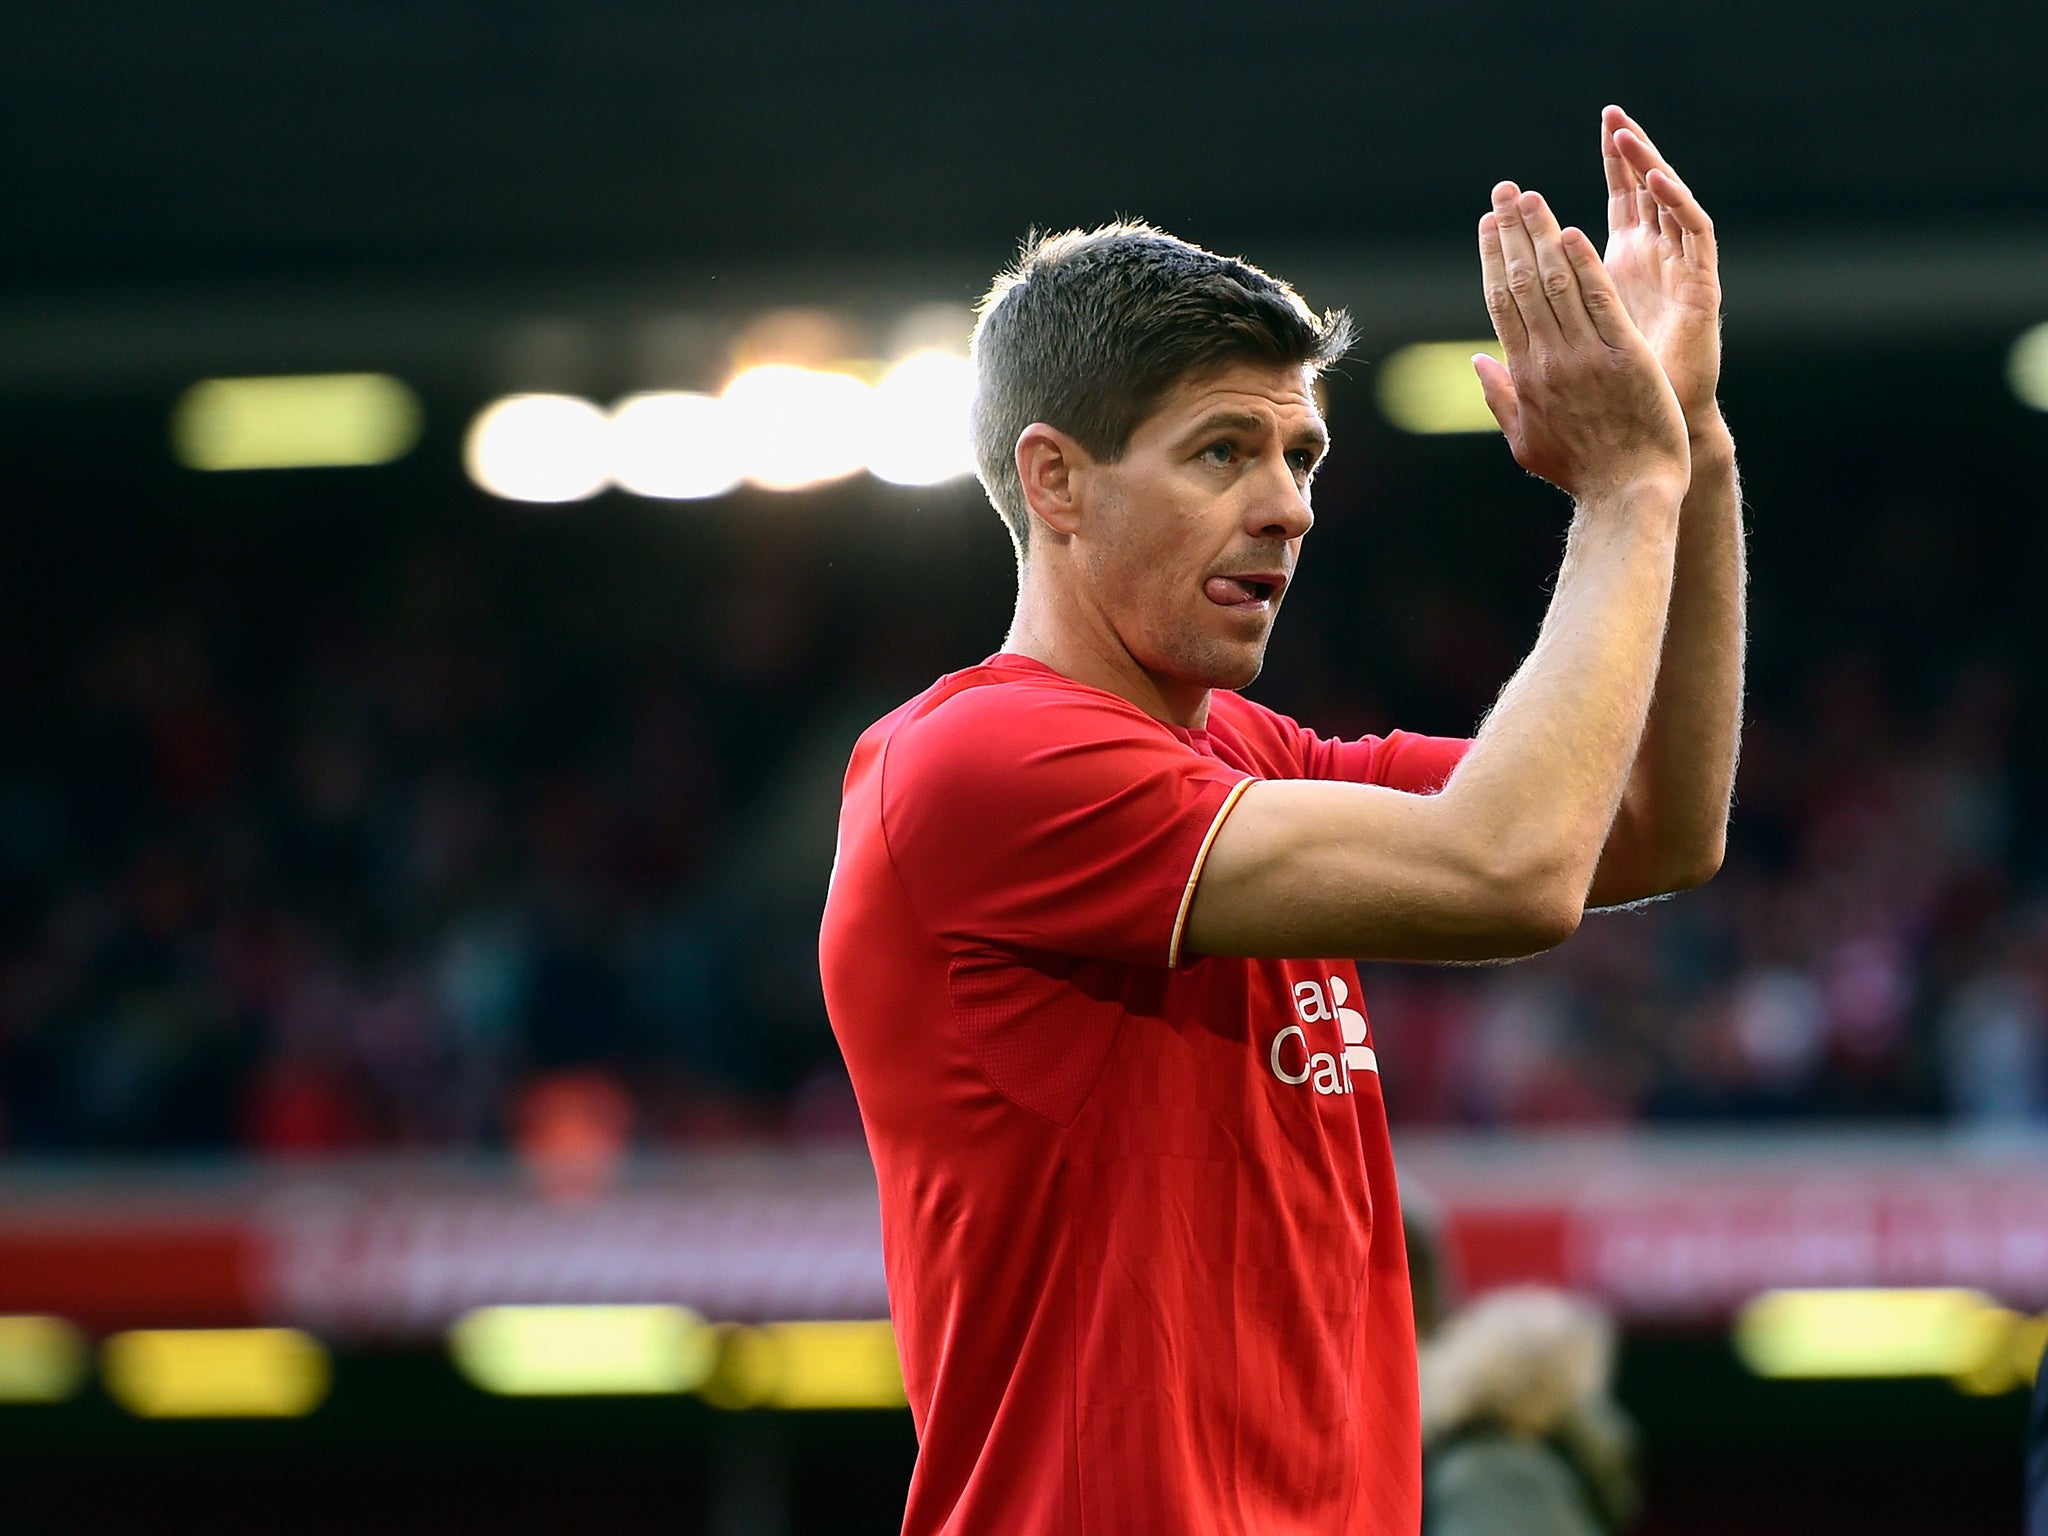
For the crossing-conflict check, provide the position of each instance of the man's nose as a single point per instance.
(1282, 510)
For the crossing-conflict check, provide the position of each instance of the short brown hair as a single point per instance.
(1091, 328)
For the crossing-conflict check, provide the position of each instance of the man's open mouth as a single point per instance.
(1249, 590)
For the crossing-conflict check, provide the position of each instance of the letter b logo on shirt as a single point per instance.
(1314, 1004)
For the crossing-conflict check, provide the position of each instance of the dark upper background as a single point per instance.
(354, 807)
(234, 141)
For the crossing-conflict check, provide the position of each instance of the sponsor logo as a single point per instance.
(1292, 1059)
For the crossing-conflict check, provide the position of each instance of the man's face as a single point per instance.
(1194, 532)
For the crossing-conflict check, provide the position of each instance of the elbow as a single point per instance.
(1534, 908)
(1544, 918)
(1633, 873)
(1702, 866)
(1689, 867)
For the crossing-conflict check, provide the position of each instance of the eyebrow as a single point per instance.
(1247, 422)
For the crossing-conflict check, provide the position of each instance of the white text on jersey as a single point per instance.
(1290, 1057)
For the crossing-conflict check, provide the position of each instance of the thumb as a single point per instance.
(1499, 390)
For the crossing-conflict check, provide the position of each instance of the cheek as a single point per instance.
(1132, 556)
(1162, 570)
(1145, 566)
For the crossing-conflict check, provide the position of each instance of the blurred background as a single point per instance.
(471, 471)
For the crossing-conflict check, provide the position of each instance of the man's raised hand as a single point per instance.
(1581, 397)
(1660, 253)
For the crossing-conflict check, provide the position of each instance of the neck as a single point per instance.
(1078, 642)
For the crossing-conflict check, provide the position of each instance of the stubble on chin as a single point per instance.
(1209, 663)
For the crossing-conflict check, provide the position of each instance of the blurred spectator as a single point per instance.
(571, 1131)
(1994, 1037)
(1521, 1435)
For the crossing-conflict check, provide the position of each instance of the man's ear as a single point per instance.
(1050, 465)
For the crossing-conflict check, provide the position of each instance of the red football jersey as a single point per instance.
(1138, 1206)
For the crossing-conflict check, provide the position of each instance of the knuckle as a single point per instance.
(1521, 280)
(1498, 299)
(1557, 283)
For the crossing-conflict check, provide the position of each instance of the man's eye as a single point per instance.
(1218, 453)
(1302, 461)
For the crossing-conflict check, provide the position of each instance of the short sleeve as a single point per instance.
(1400, 760)
(1052, 818)
(1282, 748)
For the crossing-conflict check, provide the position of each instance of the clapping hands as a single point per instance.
(1660, 253)
(1605, 360)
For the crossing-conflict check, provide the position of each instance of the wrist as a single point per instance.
(1713, 468)
(1707, 433)
(1652, 489)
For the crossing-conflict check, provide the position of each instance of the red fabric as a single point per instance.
(1143, 1243)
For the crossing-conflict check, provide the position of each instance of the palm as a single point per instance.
(1660, 253)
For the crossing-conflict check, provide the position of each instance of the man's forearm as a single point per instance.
(1543, 776)
(1673, 821)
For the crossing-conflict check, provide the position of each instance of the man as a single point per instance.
(1138, 1203)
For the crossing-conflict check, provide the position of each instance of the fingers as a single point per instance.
(1559, 273)
(1621, 177)
(1647, 165)
(1600, 302)
(1501, 399)
(1676, 202)
(1500, 303)
(1524, 274)
(1662, 199)
(1615, 126)
(1623, 123)
(1668, 225)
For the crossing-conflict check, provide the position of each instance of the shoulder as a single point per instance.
(1263, 740)
(1234, 712)
(996, 715)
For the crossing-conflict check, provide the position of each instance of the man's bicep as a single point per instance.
(1307, 869)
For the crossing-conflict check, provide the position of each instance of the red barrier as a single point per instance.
(1664, 1231)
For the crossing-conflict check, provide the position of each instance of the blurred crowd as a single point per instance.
(410, 867)
(420, 883)
(1867, 951)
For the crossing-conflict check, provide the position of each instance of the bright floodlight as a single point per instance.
(2028, 368)
(920, 420)
(571, 1351)
(1867, 1332)
(216, 1373)
(301, 421)
(540, 448)
(797, 427)
(674, 445)
(1431, 388)
(808, 1365)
